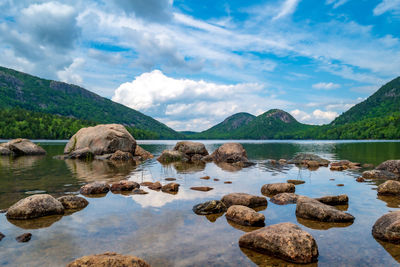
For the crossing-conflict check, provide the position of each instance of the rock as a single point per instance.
(102, 139)
(138, 191)
(196, 158)
(170, 188)
(142, 153)
(360, 180)
(284, 198)
(272, 161)
(2, 236)
(337, 168)
(389, 187)
(108, 259)
(312, 164)
(124, 186)
(121, 155)
(245, 216)
(302, 158)
(308, 208)
(387, 227)
(379, 174)
(227, 182)
(209, 207)
(205, 178)
(244, 200)
(3, 210)
(170, 179)
(273, 189)
(284, 240)
(155, 186)
(334, 200)
(24, 238)
(216, 179)
(83, 154)
(207, 158)
(331, 179)
(146, 183)
(295, 182)
(5, 150)
(282, 161)
(35, 206)
(168, 156)
(73, 202)
(340, 185)
(95, 188)
(24, 147)
(230, 153)
(392, 166)
(191, 148)
(202, 188)
(368, 165)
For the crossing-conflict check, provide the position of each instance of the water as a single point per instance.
(162, 229)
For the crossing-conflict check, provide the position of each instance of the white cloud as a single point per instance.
(316, 117)
(326, 86)
(336, 3)
(324, 115)
(70, 73)
(387, 6)
(287, 8)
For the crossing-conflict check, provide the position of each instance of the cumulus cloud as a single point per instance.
(315, 117)
(387, 6)
(326, 86)
(70, 74)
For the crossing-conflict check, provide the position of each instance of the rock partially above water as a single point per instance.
(334, 200)
(169, 156)
(142, 153)
(95, 188)
(1, 236)
(35, 206)
(201, 188)
(392, 166)
(21, 147)
(155, 186)
(244, 200)
(389, 187)
(138, 191)
(245, 216)
(185, 151)
(304, 158)
(24, 238)
(308, 208)
(170, 188)
(121, 156)
(124, 186)
(230, 153)
(73, 202)
(108, 259)
(285, 240)
(191, 148)
(379, 174)
(273, 189)
(209, 207)
(295, 182)
(387, 227)
(284, 198)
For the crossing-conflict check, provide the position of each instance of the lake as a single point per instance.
(162, 229)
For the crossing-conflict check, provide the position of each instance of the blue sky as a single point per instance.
(190, 64)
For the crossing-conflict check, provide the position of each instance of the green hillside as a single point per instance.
(20, 90)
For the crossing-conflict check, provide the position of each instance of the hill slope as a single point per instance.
(20, 90)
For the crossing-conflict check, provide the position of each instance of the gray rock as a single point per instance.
(379, 174)
(209, 207)
(303, 158)
(308, 208)
(35, 206)
(73, 202)
(387, 227)
(191, 148)
(244, 200)
(273, 189)
(168, 156)
(95, 188)
(392, 166)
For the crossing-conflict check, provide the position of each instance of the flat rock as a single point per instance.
(295, 182)
(205, 178)
(202, 188)
(209, 207)
(308, 208)
(124, 186)
(230, 153)
(244, 200)
(24, 238)
(285, 240)
(35, 206)
(170, 188)
(95, 188)
(245, 216)
(273, 189)
(379, 174)
(25, 147)
(138, 191)
(334, 200)
(389, 187)
(387, 227)
(73, 202)
(284, 198)
(170, 179)
(108, 259)
(227, 182)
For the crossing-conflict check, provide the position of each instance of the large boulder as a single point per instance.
(102, 139)
(334, 200)
(209, 207)
(34, 207)
(20, 147)
(392, 166)
(244, 200)
(73, 202)
(273, 189)
(304, 158)
(308, 208)
(245, 216)
(389, 187)
(285, 240)
(379, 174)
(191, 148)
(387, 227)
(108, 259)
(169, 156)
(95, 188)
(230, 153)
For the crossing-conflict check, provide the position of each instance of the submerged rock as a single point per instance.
(284, 198)
(285, 240)
(205, 178)
(170, 188)
(387, 227)
(170, 179)
(308, 208)
(295, 182)
(304, 158)
(379, 174)
(245, 216)
(124, 186)
(389, 187)
(73, 202)
(209, 207)
(24, 238)
(334, 200)
(35, 206)
(273, 189)
(108, 259)
(244, 200)
(95, 188)
(201, 188)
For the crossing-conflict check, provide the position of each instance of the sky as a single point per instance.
(190, 64)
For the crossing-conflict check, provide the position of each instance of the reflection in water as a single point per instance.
(229, 167)
(184, 167)
(242, 227)
(18, 163)
(391, 201)
(322, 225)
(213, 217)
(36, 223)
(392, 249)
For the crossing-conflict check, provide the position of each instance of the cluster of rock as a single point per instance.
(344, 165)
(20, 147)
(388, 170)
(309, 160)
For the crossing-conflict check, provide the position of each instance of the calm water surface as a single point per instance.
(162, 229)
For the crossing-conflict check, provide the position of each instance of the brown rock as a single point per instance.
(273, 189)
(302, 158)
(284, 198)
(124, 186)
(83, 154)
(387, 227)
(392, 166)
(245, 216)
(207, 158)
(155, 186)
(95, 188)
(340, 185)
(121, 155)
(282, 161)
(227, 182)
(285, 240)
(146, 183)
(337, 168)
(209, 207)
(230, 153)
(205, 177)
(334, 200)
(170, 188)
(25, 147)
(308, 208)
(73, 202)
(389, 187)
(295, 182)
(216, 179)
(244, 200)
(138, 191)
(368, 165)
(196, 158)
(202, 188)
(35, 206)
(360, 180)
(272, 161)
(108, 259)
(24, 238)
(170, 179)
(143, 154)
(191, 148)
(313, 164)
(379, 174)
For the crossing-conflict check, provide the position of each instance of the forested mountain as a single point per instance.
(21, 90)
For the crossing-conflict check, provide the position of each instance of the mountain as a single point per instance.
(24, 91)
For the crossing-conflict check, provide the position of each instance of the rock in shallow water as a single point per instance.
(295, 182)
(1, 236)
(124, 186)
(95, 188)
(201, 188)
(387, 227)
(24, 147)
(379, 174)
(334, 200)
(392, 166)
(230, 153)
(209, 207)
(244, 200)
(24, 238)
(285, 240)
(170, 188)
(73, 202)
(138, 191)
(245, 216)
(273, 189)
(35, 206)
(108, 259)
(389, 187)
(312, 209)
(155, 186)
(284, 198)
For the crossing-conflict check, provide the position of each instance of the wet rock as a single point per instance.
(155, 186)
(207, 158)
(387, 227)
(94, 188)
(331, 179)
(244, 200)
(170, 188)
(82, 154)
(389, 187)
(108, 259)
(121, 155)
(168, 156)
(216, 179)
(209, 207)
(138, 191)
(73, 202)
(312, 164)
(245, 216)
(379, 174)
(205, 178)
(392, 166)
(102, 139)
(340, 185)
(3, 210)
(284, 198)
(285, 240)
(334, 200)
(308, 208)
(142, 153)
(170, 179)
(303, 158)
(230, 153)
(295, 182)
(202, 188)
(124, 186)
(35, 206)
(146, 183)
(368, 166)
(337, 168)
(24, 147)
(276, 188)
(360, 180)
(196, 158)
(4, 150)
(24, 238)
(2, 236)
(191, 148)
(282, 161)
(272, 161)
(227, 182)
